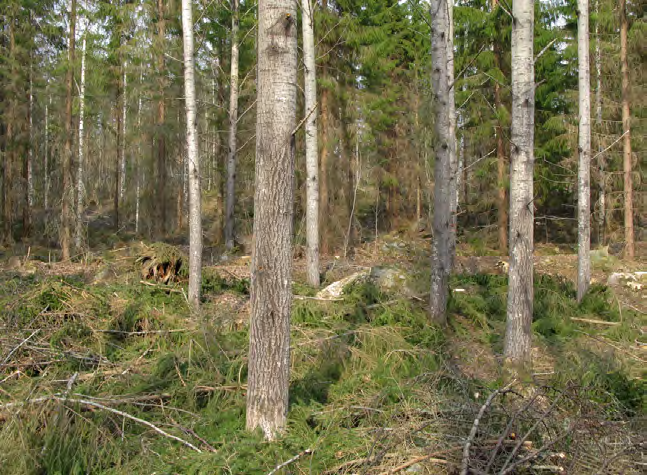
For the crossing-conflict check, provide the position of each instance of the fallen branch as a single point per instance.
(466, 449)
(4, 363)
(161, 287)
(120, 332)
(422, 458)
(593, 321)
(321, 299)
(288, 462)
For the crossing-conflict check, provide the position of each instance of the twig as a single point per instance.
(597, 322)
(288, 462)
(467, 66)
(4, 363)
(305, 119)
(536, 454)
(422, 458)
(541, 53)
(167, 289)
(120, 332)
(615, 142)
(321, 299)
(466, 449)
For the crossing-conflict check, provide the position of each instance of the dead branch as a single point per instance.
(288, 462)
(4, 363)
(596, 322)
(466, 449)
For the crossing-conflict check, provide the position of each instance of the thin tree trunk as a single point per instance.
(598, 120)
(500, 152)
(453, 157)
(9, 155)
(79, 171)
(29, 183)
(271, 294)
(195, 214)
(324, 179)
(122, 151)
(584, 151)
(626, 128)
(162, 184)
(67, 213)
(46, 158)
(312, 161)
(139, 154)
(121, 99)
(520, 287)
(233, 128)
(442, 200)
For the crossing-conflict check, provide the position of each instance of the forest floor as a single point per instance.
(104, 369)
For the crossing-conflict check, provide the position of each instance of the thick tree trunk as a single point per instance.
(79, 171)
(520, 288)
(195, 213)
(626, 129)
(584, 150)
(453, 156)
(162, 184)
(312, 160)
(67, 213)
(442, 200)
(500, 153)
(233, 128)
(271, 294)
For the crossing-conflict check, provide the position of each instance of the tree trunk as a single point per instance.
(46, 158)
(442, 171)
(79, 170)
(520, 288)
(67, 216)
(324, 179)
(500, 152)
(9, 155)
(598, 120)
(584, 152)
(195, 214)
(121, 100)
(271, 294)
(233, 128)
(29, 183)
(626, 129)
(312, 159)
(139, 154)
(122, 151)
(162, 184)
(453, 157)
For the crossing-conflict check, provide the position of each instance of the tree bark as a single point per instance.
(584, 151)
(233, 128)
(453, 156)
(598, 121)
(161, 120)
(29, 183)
(312, 159)
(79, 171)
(271, 295)
(500, 152)
(67, 216)
(195, 213)
(520, 288)
(121, 100)
(9, 155)
(324, 179)
(626, 128)
(124, 121)
(46, 158)
(442, 208)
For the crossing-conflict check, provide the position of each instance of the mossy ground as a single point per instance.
(373, 384)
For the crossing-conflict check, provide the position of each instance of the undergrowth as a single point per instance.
(373, 383)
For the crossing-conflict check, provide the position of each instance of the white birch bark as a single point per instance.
(233, 128)
(442, 199)
(312, 149)
(598, 120)
(453, 157)
(584, 149)
(195, 214)
(80, 190)
(271, 292)
(521, 240)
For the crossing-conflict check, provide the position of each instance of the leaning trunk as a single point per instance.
(442, 200)
(233, 128)
(584, 149)
(312, 162)
(626, 129)
(271, 294)
(520, 287)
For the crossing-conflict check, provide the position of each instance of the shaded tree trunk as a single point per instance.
(233, 128)
(598, 120)
(195, 214)
(67, 213)
(442, 200)
(584, 152)
(161, 120)
(46, 158)
(453, 156)
(124, 121)
(271, 294)
(28, 178)
(312, 160)
(121, 100)
(520, 288)
(626, 129)
(9, 155)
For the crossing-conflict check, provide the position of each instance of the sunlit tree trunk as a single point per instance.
(162, 184)
(138, 167)
(79, 171)
(233, 129)
(312, 161)
(29, 183)
(195, 214)
(271, 280)
(584, 151)
(626, 129)
(442, 199)
(453, 156)
(520, 288)
(122, 151)
(67, 213)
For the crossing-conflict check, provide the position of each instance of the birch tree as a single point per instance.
(626, 129)
(271, 294)
(233, 129)
(453, 156)
(195, 215)
(443, 146)
(67, 216)
(312, 161)
(520, 288)
(584, 149)
(79, 171)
